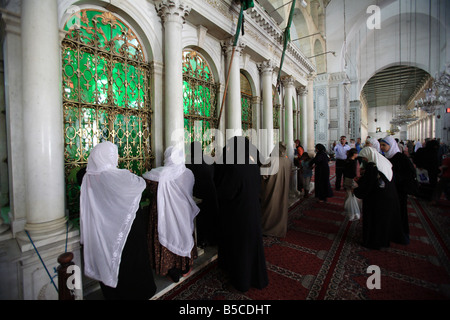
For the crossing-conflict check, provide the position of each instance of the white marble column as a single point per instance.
(233, 109)
(288, 83)
(433, 126)
(43, 119)
(303, 119)
(310, 115)
(173, 14)
(266, 69)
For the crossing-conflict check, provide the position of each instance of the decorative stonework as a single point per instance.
(173, 11)
(288, 81)
(266, 66)
(227, 46)
(302, 91)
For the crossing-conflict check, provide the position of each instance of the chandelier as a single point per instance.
(442, 83)
(402, 117)
(437, 94)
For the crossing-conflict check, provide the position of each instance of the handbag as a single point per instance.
(422, 175)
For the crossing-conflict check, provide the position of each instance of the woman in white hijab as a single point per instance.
(380, 214)
(372, 142)
(112, 233)
(176, 210)
(404, 177)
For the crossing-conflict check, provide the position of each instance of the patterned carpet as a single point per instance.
(321, 259)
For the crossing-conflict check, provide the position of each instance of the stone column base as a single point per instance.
(44, 233)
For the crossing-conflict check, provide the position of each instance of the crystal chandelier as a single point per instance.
(442, 83)
(404, 116)
(437, 94)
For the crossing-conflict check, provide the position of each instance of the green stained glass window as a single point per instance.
(199, 98)
(106, 95)
(246, 104)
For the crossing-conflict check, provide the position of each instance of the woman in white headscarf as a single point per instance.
(380, 214)
(173, 214)
(372, 142)
(404, 177)
(112, 230)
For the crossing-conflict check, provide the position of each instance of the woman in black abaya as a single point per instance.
(322, 184)
(240, 245)
(404, 174)
(381, 214)
(204, 189)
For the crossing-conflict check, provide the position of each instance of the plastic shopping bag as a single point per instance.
(352, 208)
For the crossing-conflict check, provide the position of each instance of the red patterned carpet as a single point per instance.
(321, 259)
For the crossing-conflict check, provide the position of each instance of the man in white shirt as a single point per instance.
(340, 152)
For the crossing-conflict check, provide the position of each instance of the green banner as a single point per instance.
(287, 38)
(245, 4)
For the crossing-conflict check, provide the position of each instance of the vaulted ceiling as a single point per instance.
(394, 86)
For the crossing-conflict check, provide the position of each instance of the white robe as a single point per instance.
(108, 204)
(175, 203)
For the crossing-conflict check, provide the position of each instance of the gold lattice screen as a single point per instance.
(106, 95)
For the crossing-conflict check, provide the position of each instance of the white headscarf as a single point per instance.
(175, 203)
(109, 201)
(393, 147)
(383, 164)
(374, 144)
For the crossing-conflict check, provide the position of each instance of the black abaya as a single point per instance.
(204, 189)
(322, 184)
(240, 245)
(380, 214)
(404, 173)
(136, 280)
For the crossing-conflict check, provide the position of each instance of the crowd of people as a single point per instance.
(234, 205)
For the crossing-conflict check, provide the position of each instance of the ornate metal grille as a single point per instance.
(276, 116)
(199, 98)
(246, 103)
(106, 95)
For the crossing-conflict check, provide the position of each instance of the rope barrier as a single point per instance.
(42, 261)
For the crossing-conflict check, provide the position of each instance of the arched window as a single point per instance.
(199, 98)
(246, 103)
(106, 95)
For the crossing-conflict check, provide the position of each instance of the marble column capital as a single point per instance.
(287, 81)
(227, 46)
(173, 10)
(302, 91)
(266, 66)
(311, 77)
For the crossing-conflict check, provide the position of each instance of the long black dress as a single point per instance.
(136, 280)
(240, 245)
(381, 214)
(404, 173)
(322, 184)
(204, 189)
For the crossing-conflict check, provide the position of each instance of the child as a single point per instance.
(349, 176)
(306, 172)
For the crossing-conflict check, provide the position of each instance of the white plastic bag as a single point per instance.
(352, 208)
